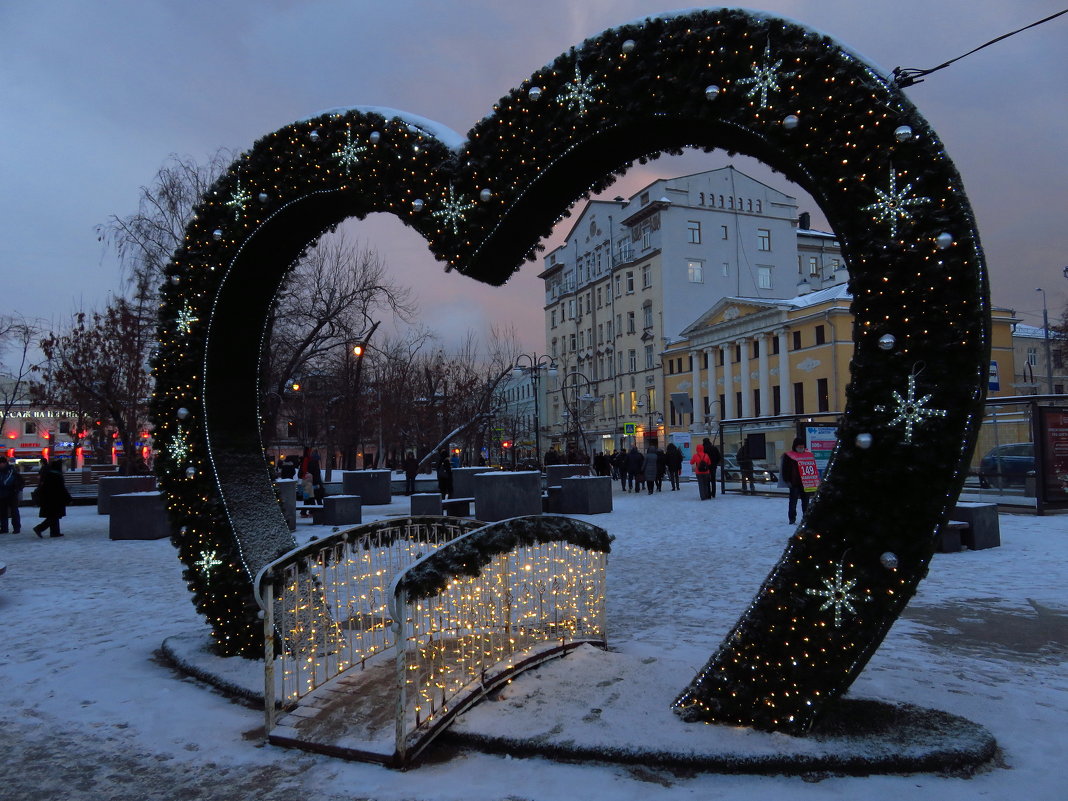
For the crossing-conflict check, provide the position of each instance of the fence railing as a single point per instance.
(458, 605)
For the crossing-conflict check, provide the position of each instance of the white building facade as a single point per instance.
(634, 273)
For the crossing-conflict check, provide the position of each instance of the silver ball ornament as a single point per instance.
(175, 279)
(217, 234)
(887, 342)
(629, 45)
(790, 122)
(417, 205)
(485, 195)
(263, 197)
(534, 93)
(863, 441)
(711, 92)
(375, 137)
(190, 472)
(314, 136)
(944, 240)
(183, 413)
(903, 133)
(889, 560)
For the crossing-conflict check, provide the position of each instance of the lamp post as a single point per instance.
(1045, 335)
(534, 365)
(569, 388)
(643, 401)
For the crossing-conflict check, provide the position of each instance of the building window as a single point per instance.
(600, 333)
(774, 346)
(630, 322)
(726, 269)
(737, 353)
(573, 338)
(644, 199)
(554, 347)
(552, 318)
(647, 231)
(776, 400)
(571, 309)
(821, 336)
(823, 397)
(756, 403)
(647, 276)
(693, 231)
(764, 277)
(813, 265)
(799, 398)
(29, 427)
(1032, 356)
(608, 329)
(598, 297)
(695, 272)
(648, 357)
(756, 348)
(647, 315)
(763, 239)
(723, 228)
(758, 208)
(797, 340)
(619, 325)
(620, 368)
(619, 286)
(731, 201)
(671, 366)
(632, 360)
(64, 427)
(630, 282)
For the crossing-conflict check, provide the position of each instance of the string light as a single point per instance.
(920, 293)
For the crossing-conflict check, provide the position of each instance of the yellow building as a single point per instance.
(762, 366)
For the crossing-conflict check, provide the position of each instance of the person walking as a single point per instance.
(798, 470)
(411, 470)
(702, 468)
(650, 468)
(635, 465)
(673, 464)
(11, 483)
(661, 469)
(51, 497)
(444, 474)
(619, 467)
(714, 459)
(745, 467)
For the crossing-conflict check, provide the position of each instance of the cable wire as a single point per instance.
(904, 76)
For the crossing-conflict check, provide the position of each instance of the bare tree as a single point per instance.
(333, 300)
(18, 338)
(98, 367)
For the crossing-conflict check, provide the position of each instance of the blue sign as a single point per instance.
(993, 383)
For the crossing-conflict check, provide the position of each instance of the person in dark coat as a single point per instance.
(619, 467)
(411, 470)
(444, 474)
(714, 458)
(51, 497)
(651, 468)
(745, 467)
(635, 464)
(673, 464)
(11, 483)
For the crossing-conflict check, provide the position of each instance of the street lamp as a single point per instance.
(643, 401)
(569, 388)
(532, 368)
(1045, 335)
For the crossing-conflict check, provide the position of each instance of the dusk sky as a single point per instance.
(96, 94)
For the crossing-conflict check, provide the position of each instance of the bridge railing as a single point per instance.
(486, 606)
(325, 604)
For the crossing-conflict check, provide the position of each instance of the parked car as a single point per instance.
(1007, 465)
(761, 471)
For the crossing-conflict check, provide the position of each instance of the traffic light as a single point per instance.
(506, 444)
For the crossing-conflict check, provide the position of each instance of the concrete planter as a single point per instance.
(501, 495)
(138, 516)
(109, 486)
(371, 485)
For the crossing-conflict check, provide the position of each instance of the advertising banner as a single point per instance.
(1053, 423)
(821, 441)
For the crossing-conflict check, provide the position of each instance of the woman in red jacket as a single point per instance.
(702, 468)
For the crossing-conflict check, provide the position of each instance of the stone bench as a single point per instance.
(373, 486)
(426, 504)
(110, 486)
(585, 495)
(501, 495)
(138, 516)
(340, 510)
(949, 537)
(983, 526)
(457, 507)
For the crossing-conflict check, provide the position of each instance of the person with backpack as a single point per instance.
(702, 468)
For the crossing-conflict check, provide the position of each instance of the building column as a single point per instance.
(696, 418)
(710, 355)
(728, 383)
(764, 371)
(786, 388)
(743, 365)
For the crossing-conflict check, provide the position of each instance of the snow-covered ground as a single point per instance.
(89, 711)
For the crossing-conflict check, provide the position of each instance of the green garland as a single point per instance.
(753, 84)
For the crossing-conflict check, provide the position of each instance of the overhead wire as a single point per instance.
(907, 76)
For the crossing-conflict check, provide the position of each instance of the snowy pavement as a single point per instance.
(91, 713)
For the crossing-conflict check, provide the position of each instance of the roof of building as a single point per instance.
(1029, 332)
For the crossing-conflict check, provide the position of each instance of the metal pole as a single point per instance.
(1045, 335)
(535, 378)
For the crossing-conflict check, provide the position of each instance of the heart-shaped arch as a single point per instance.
(755, 84)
